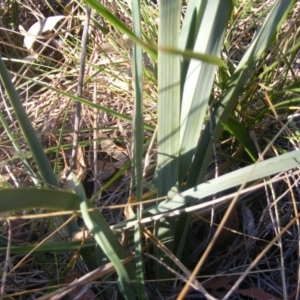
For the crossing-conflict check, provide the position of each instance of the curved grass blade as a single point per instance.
(108, 242)
(247, 174)
(243, 136)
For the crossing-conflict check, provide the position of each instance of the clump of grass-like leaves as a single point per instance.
(190, 134)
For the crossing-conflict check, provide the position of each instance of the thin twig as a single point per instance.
(79, 90)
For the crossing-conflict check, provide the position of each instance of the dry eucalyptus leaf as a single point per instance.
(106, 169)
(115, 152)
(38, 28)
(80, 164)
(119, 155)
(108, 146)
(256, 294)
(128, 211)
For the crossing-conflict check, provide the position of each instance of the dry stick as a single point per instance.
(215, 237)
(79, 90)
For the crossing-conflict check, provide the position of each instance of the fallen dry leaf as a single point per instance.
(114, 151)
(257, 294)
(128, 211)
(106, 169)
(216, 284)
(38, 28)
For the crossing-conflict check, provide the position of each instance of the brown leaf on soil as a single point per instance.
(218, 283)
(80, 164)
(257, 294)
(107, 146)
(106, 169)
(114, 151)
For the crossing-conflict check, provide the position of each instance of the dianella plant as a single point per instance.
(190, 123)
(191, 61)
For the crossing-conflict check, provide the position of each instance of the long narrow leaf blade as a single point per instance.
(18, 199)
(138, 131)
(200, 77)
(168, 118)
(29, 134)
(108, 242)
(230, 97)
(247, 174)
